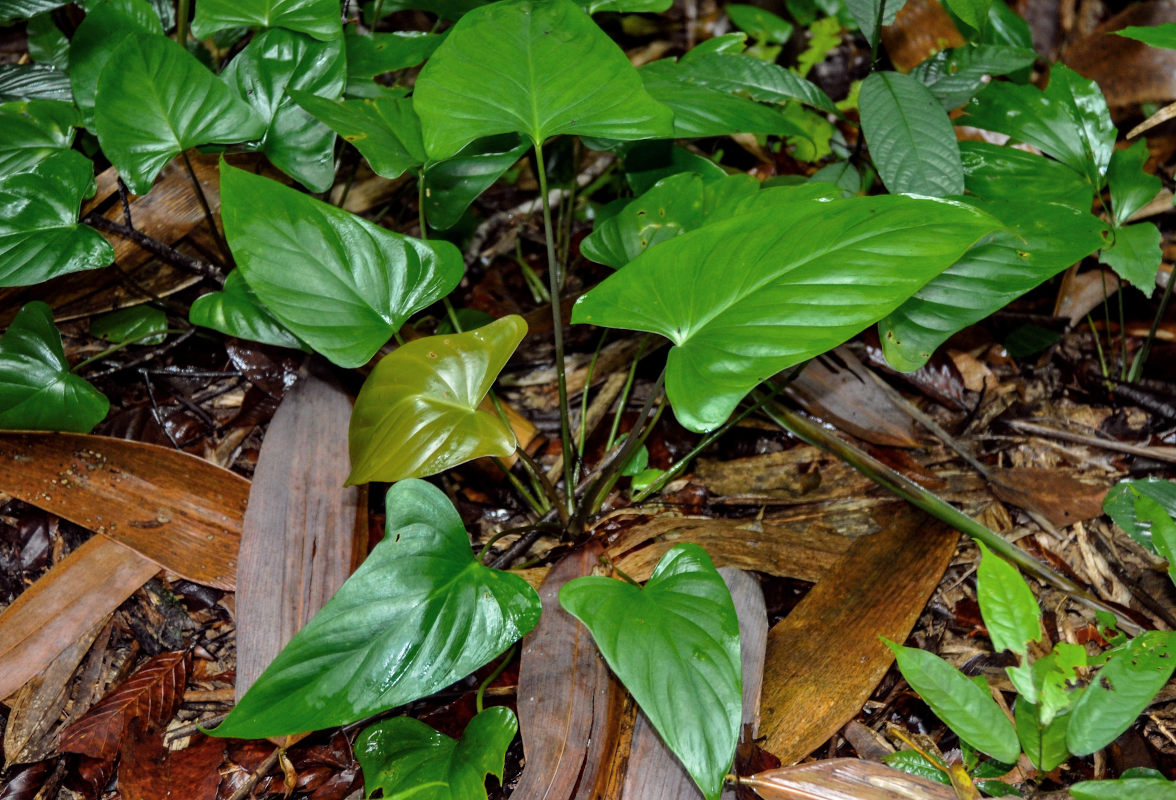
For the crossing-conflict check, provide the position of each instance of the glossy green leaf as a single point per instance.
(236, 311)
(732, 43)
(1055, 678)
(1131, 187)
(47, 44)
(372, 54)
(769, 83)
(912, 762)
(40, 236)
(384, 129)
(37, 390)
(675, 646)
(1044, 744)
(31, 131)
(868, 12)
(1124, 789)
(628, 6)
(648, 162)
(973, 13)
(406, 758)
(340, 283)
(1007, 605)
(13, 10)
(1156, 35)
(156, 100)
(420, 613)
(1040, 241)
(910, 137)
(139, 324)
(841, 174)
(955, 75)
(107, 24)
(1096, 131)
(962, 705)
(1163, 529)
(418, 412)
(453, 184)
(759, 23)
(996, 172)
(1121, 690)
(747, 297)
(535, 67)
(278, 61)
(1120, 505)
(318, 18)
(33, 82)
(1135, 255)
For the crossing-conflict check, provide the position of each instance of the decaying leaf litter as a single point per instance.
(1048, 430)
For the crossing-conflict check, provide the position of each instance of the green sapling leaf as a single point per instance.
(1120, 505)
(995, 172)
(1135, 255)
(955, 75)
(33, 130)
(453, 184)
(141, 324)
(1131, 187)
(1044, 743)
(14, 10)
(868, 13)
(107, 24)
(318, 18)
(1156, 35)
(385, 129)
(1125, 789)
(1007, 605)
(236, 311)
(1163, 529)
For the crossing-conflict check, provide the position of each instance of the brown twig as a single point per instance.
(157, 248)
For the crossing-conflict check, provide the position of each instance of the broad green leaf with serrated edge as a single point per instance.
(962, 705)
(1135, 255)
(418, 412)
(33, 130)
(675, 646)
(236, 311)
(106, 25)
(384, 129)
(535, 67)
(453, 184)
(1156, 35)
(749, 296)
(37, 390)
(156, 100)
(996, 172)
(47, 44)
(139, 324)
(406, 758)
(13, 10)
(761, 80)
(1007, 605)
(910, 137)
(1124, 789)
(1121, 690)
(318, 18)
(1044, 744)
(954, 76)
(420, 613)
(339, 283)
(1041, 240)
(274, 63)
(372, 54)
(1163, 529)
(1131, 187)
(866, 13)
(1120, 505)
(40, 236)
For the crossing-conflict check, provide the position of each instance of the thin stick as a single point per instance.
(157, 248)
(208, 216)
(182, 23)
(257, 775)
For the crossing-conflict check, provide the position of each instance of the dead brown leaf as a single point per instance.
(845, 779)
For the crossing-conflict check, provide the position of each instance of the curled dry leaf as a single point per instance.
(845, 779)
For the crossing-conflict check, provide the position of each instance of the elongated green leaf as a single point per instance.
(338, 282)
(318, 18)
(1163, 529)
(453, 184)
(33, 82)
(40, 237)
(1096, 132)
(759, 23)
(1044, 744)
(33, 130)
(445, 9)
(1041, 240)
(973, 13)
(675, 646)
(1121, 690)
(914, 763)
(628, 6)
(139, 324)
(1131, 187)
(1120, 505)
(1007, 605)
(236, 311)
(107, 24)
(1135, 255)
(1155, 35)
(868, 13)
(418, 614)
(274, 63)
(384, 129)
(962, 705)
(535, 67)
(406, 758)
(47, 44)
(418, 412)
(910, 137)
(13, 10)
(761, 80)
(995, 172)
(1124, 789)
(954, 76)
(369, 55)
(37, 390)
(156, 100)
(747, 297)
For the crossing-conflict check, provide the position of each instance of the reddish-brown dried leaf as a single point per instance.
(1128, 72)
(25, 784)
(1061, 496)
(147, 769)
(845, 779)
(144, 701)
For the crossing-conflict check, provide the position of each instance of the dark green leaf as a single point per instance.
(646, 163)
(384, 129)
(13, 10)
(1163, 529)
(759, 23)
(141, 324)
(338, 282)
(1096, 131)
(535, 67)
(1121, 691)
(33, 130)
(33, 82)
(762, 81)
(156, 100)
(965, 708)
(369, 55)
(954, 76)
(278, 61)
(418, 412)
(420, 613)
(1155, 35)
(868, 13)
(841, 174)
(1135, 255)
(1124, 789)
(107, 24)
(1007, 605)
(445, 9)
(913, 762)
(910, 137)
(236, 311)
(675, 646)
(1007, 173)
(405, 757)
(317, 18)
(1044, 744)
(1131, 187)
(37, 390)
(1029, 340)
(974, 13)
(40, 237)
(628, 6)
(1120, 505)
(747, 297)
(47, 44)
(453, 184)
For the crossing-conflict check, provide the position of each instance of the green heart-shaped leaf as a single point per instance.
(749, 296)
(31, 131)
(420, 613)
(455, 183)
(338, 282)
(156, 100)
(236, 311)
(37, 390)
(675, 646)
(107, 24)
(318, 18)
(274, 63)
(535, 67)
(47, 44)
(406, 758)
(13, 10)
(384, 129)
(1135, 255)
(417, 414)
(40, 237)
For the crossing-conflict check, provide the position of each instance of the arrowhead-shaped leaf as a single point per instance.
(405, 757)
(318, 18)
(417, 414)
(419, 613)
(156, 100)
(274, 63)
(535, 67)
(675, 646)
(1135, 255)
(107, 24)
(384, 129)
(37, 390)
(1131, 187)
(33, 130)
(749, 296)
(338, 282)
(236, 311)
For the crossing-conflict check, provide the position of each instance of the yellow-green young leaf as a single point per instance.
(417, 414)
(1007, 605)
(406, 758)
(535, 67)
(318, 18)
